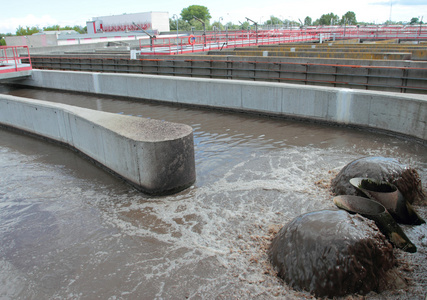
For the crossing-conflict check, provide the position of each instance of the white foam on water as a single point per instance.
(12, 281)
(229, 218)
(207, 241)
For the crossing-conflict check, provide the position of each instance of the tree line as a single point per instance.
(186, 21)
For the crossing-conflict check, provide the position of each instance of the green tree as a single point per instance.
(27, 31)
(349, 18)
(197, 25)
(80, 29)
(199, 11)
(232, 26)
(273, 21)
(182, 25)
(218, 25)
(327, 19)
(77, 28)
(52, 28)
(290, 23)
(415, 21)
(245, 25)
(308, 21)
(2, 40)
(172, 24)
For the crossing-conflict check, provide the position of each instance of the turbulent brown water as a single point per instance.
(70, 230)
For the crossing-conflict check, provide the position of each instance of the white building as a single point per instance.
(101, 29)
(150, 21)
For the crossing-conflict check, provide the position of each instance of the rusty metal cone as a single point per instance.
(378, 213)
(388, 195)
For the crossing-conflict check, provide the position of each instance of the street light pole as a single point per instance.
(219, 21)
(219, 29)
(204, 29)
(176, 18)
(152, 37)
(256, 29)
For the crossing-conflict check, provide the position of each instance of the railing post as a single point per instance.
(5, 52)
(28, 56)
(15, 57)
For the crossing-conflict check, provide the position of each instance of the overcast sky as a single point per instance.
(44, 13)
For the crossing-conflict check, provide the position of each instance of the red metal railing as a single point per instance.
(180, 44)
(12, 61)
(188, 43)
(417, 33)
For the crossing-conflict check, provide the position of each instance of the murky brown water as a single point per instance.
(70, 230)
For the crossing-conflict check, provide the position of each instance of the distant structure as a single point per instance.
(41, 39)
(150, 21)
(118, 28)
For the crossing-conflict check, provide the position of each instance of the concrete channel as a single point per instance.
(158, 157)
(397, 113)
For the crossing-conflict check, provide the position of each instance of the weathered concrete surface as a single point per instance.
(14, 74)
(156, 157)
(319, 54)
(404, 114)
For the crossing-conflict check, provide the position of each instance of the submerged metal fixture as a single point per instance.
(388, 195)
(378, 213)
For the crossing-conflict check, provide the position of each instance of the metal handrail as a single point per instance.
(180, 44)
(12, 61)
(216, 41)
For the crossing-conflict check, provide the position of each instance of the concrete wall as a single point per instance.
(38, 40)
(380, 75)
(156, 157)
(404, 114)
(318, 54)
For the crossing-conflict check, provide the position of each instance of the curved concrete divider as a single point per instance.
(156, 157)
(404, 114)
